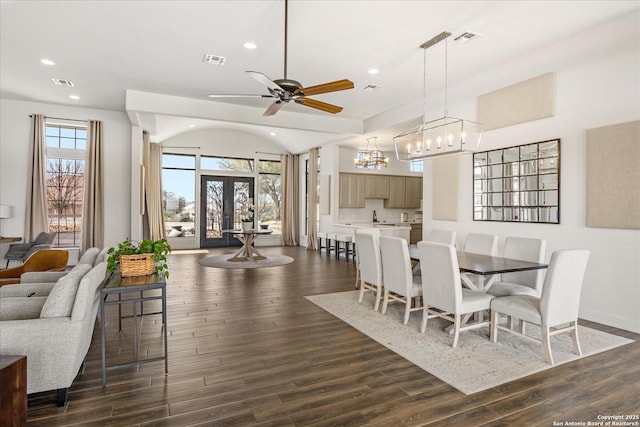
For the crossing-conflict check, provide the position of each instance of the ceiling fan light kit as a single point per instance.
(285, 90)
(440, 137)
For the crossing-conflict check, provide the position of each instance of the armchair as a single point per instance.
(22, 251)
(44, 260)
(54, 331)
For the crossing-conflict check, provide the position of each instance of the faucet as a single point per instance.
(375, 217)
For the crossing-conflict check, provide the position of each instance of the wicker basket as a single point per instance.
(136, 265)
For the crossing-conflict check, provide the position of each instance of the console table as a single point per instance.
(115, 284)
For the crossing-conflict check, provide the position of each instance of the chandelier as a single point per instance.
(444, 136)
(371, 159)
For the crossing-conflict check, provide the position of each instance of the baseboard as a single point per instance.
(617, 320)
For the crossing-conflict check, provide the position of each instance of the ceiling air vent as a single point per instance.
(466, 37)
(61, 82)
(210, 58)
(371, 87)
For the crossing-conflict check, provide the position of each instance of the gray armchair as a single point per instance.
(54, 331)
(22, 251)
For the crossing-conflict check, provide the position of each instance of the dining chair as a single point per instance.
(521, 282)
(484, 244)
(556, 308)
(375, 232)
(442, 236)
(399, 282)
(368, 246)
(442, 294)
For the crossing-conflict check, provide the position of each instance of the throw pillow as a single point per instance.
(59, 303)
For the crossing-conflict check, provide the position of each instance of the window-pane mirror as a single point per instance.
(518, 184)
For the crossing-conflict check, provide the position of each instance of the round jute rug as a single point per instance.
(220, 261)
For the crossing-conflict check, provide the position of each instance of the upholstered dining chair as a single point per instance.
(558, 305)
(368, 248)
(399, 282)
(442, 294)
(442, 236)
(22, 251)
(484, 244)
(521, 282)
(371, 230)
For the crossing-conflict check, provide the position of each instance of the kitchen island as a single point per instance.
(402, 230)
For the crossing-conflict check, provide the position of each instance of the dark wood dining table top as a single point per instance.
(485, 264)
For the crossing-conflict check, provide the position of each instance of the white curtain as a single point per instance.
(290, 200)
(312, 198)
(93, 199)
(152, 162)
(36, 209)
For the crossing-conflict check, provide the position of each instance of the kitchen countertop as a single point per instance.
(376, 224)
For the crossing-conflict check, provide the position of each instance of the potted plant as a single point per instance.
(139, 259)
(246, 223)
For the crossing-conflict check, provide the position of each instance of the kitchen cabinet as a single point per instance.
(352, 190)
(405, 192)
(376, 186)
(415, 233)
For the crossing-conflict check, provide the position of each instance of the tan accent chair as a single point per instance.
(43, 260)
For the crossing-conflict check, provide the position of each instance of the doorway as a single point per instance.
(224, 200)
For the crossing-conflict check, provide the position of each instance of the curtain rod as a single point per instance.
(62, 118)
(274, 154)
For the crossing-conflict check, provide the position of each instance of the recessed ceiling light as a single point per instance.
(47, 62)
(74, 97)
(272, 133)
(191, 126)
(250, 45)
(373, 71)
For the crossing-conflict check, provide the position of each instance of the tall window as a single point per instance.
(416, 166)
(179, 194)
(66, 149)
(270, 194)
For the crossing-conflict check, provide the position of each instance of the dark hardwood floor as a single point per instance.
(246, 348)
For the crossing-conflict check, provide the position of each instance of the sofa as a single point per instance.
(54, 331)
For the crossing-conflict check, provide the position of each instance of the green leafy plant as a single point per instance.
(246, 219)
(158, 248)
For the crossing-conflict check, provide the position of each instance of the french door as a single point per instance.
(224, 200)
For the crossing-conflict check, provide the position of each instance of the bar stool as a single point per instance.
(329, 246)
(321, 235)
(345, 241)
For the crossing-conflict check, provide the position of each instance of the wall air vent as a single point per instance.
(61, 82)
(466, 37)
(371, 87)
(210, 58)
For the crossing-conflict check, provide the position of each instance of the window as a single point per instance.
(270, 194)
(66, 149)
(178, 194)
(416, 166)
(226, 164)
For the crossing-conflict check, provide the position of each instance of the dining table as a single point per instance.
(486, 268)
(248, 251)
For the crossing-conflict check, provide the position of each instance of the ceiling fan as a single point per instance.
(285, 89)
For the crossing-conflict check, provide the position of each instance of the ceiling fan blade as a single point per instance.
(329, 108)
(325, 88)
(224, 95)
(273, 108)
(265, 81)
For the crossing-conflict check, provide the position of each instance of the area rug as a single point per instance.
(221, 261)
(475, 364)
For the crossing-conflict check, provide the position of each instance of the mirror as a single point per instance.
(518, 184)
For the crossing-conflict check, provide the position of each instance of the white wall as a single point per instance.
(592, 91)
(14, 153)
